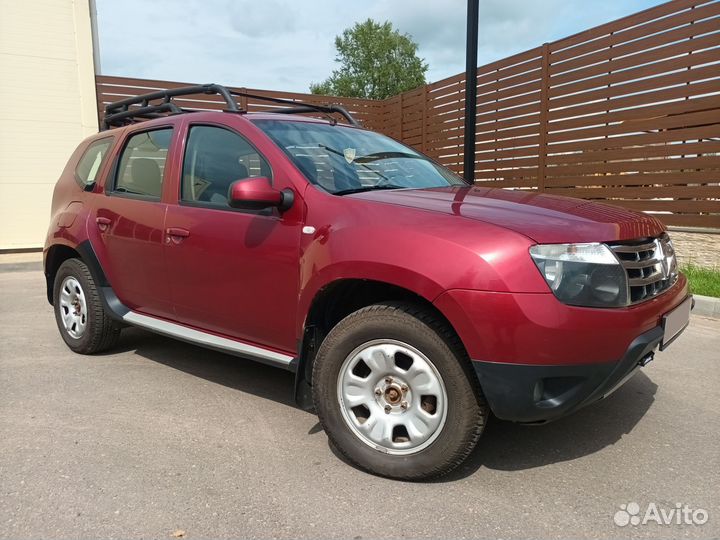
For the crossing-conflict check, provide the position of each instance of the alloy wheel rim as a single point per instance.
(73, 307)
(392, 397)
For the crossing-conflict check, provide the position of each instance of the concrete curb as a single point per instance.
(706, 306)
(21, 262)
(29, 266)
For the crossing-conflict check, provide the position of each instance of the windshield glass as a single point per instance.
(345, 160)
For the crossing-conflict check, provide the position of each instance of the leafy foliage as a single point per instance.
(703, 281)
(376, 62)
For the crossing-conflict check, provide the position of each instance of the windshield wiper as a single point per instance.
(342, 154)
(368, 188)
(375, 156)
(386, 155)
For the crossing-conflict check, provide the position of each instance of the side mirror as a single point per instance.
(257, 193)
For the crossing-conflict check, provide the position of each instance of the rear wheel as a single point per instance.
(79, 314)
(395, 392)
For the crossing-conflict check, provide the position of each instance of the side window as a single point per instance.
(91, 161)
(215, 158)
(142, 163)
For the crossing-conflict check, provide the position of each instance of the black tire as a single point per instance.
(101, 332)
(467, 410)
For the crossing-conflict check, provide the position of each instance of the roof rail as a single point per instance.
(120, 112)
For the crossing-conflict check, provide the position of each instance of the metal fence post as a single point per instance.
(470, 90)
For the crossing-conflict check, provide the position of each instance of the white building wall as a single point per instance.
(47, 106)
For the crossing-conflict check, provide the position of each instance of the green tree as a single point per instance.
(376, 62)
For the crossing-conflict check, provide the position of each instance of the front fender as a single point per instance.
(425, 252)
(422, 263)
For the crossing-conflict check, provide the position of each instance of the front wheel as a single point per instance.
(396, 394)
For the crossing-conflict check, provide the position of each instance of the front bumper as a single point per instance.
(538, 359)
(533, 393)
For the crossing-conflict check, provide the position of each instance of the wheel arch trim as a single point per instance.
(310, 339)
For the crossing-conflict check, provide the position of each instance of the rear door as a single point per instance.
(232, 272)
(130, 219)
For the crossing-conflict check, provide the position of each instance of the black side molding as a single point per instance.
(113, 306)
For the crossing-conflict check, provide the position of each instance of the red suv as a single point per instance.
(409, 304)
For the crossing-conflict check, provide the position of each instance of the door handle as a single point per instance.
(103, 223)
(176, 235)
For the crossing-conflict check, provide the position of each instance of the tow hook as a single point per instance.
(645, 360)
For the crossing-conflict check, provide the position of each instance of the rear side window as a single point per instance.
(142, 163)
(89, 165)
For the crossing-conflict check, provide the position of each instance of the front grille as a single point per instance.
(650, 264)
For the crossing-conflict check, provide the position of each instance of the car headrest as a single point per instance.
(146, 177)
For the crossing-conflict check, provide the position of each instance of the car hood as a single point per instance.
(543, 218)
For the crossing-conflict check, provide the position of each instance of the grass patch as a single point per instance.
(704, 281)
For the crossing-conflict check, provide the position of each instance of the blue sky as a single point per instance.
(286, 45)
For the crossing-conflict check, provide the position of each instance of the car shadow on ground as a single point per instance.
(503, 446)
(507, 446)
(240, 374)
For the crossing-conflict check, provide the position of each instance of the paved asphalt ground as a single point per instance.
(159, 436)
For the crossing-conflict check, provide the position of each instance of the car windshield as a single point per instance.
(344, 160)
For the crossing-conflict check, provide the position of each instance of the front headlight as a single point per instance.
(582, 274)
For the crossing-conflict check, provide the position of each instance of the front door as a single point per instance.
(232, 272)
(131, 219)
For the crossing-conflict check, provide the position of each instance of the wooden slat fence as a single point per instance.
(627, 113)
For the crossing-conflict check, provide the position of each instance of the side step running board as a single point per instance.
(211, 341)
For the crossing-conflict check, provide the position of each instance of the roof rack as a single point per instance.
(301, 107)
(120, 113)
